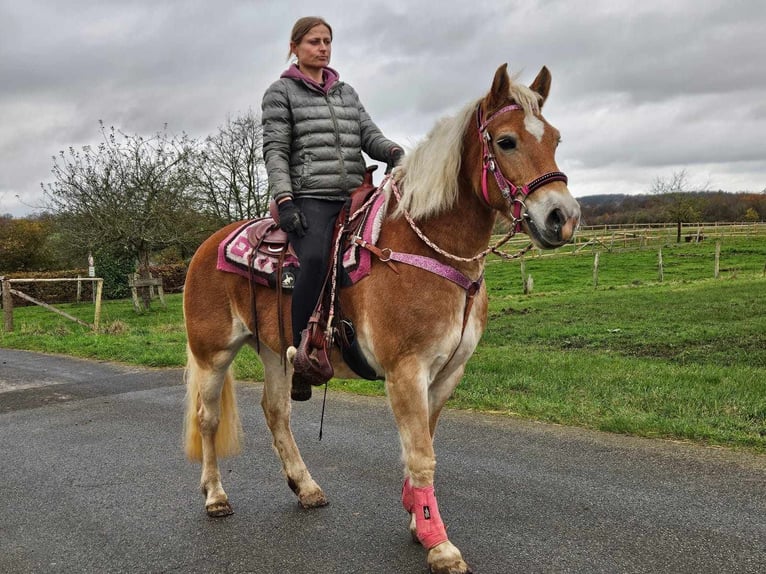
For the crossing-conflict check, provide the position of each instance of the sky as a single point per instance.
(641, 89)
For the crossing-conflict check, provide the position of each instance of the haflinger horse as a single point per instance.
(417, 325)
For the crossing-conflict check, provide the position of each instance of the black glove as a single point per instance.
(291, 218)
(394, 158)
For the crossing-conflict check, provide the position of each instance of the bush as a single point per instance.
(114, 270)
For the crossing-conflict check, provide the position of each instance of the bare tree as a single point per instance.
(231, 182)
(680, 203)
(128, 192)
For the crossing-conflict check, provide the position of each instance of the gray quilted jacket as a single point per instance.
(313, 137)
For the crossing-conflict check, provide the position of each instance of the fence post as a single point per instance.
(717, 269)
(7, 306)
(595, 269)
(526, 280)
(662, 272)
(97, 314)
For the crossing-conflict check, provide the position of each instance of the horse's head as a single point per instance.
(519, 176)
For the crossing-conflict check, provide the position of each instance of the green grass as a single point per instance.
(154, 338)
(684, 359)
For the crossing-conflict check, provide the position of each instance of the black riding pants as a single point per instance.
(313, 251)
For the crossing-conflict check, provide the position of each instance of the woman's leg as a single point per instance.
(313, 251)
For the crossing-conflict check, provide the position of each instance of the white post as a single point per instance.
(717, 269)
(595, 269)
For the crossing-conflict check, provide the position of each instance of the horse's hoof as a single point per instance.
(313, 500)
(219, 509)
(457, 569)
(446, 559)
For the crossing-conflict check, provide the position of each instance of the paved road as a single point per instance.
(92, 479)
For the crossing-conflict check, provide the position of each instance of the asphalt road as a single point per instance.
(93, 479)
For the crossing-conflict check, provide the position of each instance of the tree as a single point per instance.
(230, 177)
(751, 215)
(129, 193)
(680, 205)
(23, 244)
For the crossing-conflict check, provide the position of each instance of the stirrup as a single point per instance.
(311, 364)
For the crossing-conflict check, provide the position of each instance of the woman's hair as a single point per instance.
(302, 27)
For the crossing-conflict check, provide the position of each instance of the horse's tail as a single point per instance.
(229, 431)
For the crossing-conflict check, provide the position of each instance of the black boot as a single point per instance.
(311, 367)
(301, 389)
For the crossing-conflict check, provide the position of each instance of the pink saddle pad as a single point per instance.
(235, 251)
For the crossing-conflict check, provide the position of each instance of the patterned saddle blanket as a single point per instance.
(236, 251)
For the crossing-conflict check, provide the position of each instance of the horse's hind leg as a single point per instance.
(277, 407)
(212, 426)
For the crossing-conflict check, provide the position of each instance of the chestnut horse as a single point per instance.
(417, 325)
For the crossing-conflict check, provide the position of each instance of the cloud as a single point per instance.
(639, 88)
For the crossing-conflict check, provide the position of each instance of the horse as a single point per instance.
(417, 323)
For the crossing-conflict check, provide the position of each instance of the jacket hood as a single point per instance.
(329, 75)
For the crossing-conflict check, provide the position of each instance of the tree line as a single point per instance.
(674, 200)
(132, 200)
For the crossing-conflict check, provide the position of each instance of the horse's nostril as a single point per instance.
(555, 222)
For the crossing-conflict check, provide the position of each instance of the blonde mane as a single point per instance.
(429, 184)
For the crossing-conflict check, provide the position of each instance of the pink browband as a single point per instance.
(514, 195)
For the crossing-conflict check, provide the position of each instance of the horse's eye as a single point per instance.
(507, 143)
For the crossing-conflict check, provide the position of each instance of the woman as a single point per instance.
(314, 132)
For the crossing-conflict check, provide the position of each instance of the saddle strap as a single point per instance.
(252, 283)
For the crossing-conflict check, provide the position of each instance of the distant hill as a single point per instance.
(705, 206)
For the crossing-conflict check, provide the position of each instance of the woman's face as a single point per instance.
(315, 47)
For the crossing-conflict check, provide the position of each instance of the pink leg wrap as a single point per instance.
(428, 523)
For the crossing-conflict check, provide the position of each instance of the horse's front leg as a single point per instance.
(408, 392)
(276, 407)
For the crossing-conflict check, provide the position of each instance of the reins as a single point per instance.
(481, 255)
(513, 195)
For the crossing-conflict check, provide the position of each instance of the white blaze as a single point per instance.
(535, 126)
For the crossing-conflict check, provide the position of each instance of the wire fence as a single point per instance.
(606, 256)
(639, 236)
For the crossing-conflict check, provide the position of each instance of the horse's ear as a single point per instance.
(501, 87)
(542, 84)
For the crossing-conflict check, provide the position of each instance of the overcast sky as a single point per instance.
(641, 89)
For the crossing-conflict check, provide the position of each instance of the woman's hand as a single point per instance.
(394, 158)
(291, 218)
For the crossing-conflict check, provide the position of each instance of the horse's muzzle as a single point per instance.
(555, 227)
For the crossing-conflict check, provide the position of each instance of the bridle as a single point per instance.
(514, 195)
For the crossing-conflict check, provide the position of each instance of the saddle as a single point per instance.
(312, 365)
(266, 236)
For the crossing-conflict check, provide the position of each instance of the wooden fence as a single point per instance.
(638, 236)
(626, 236)
(8, 292)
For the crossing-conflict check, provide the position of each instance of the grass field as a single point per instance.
(683, 359)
